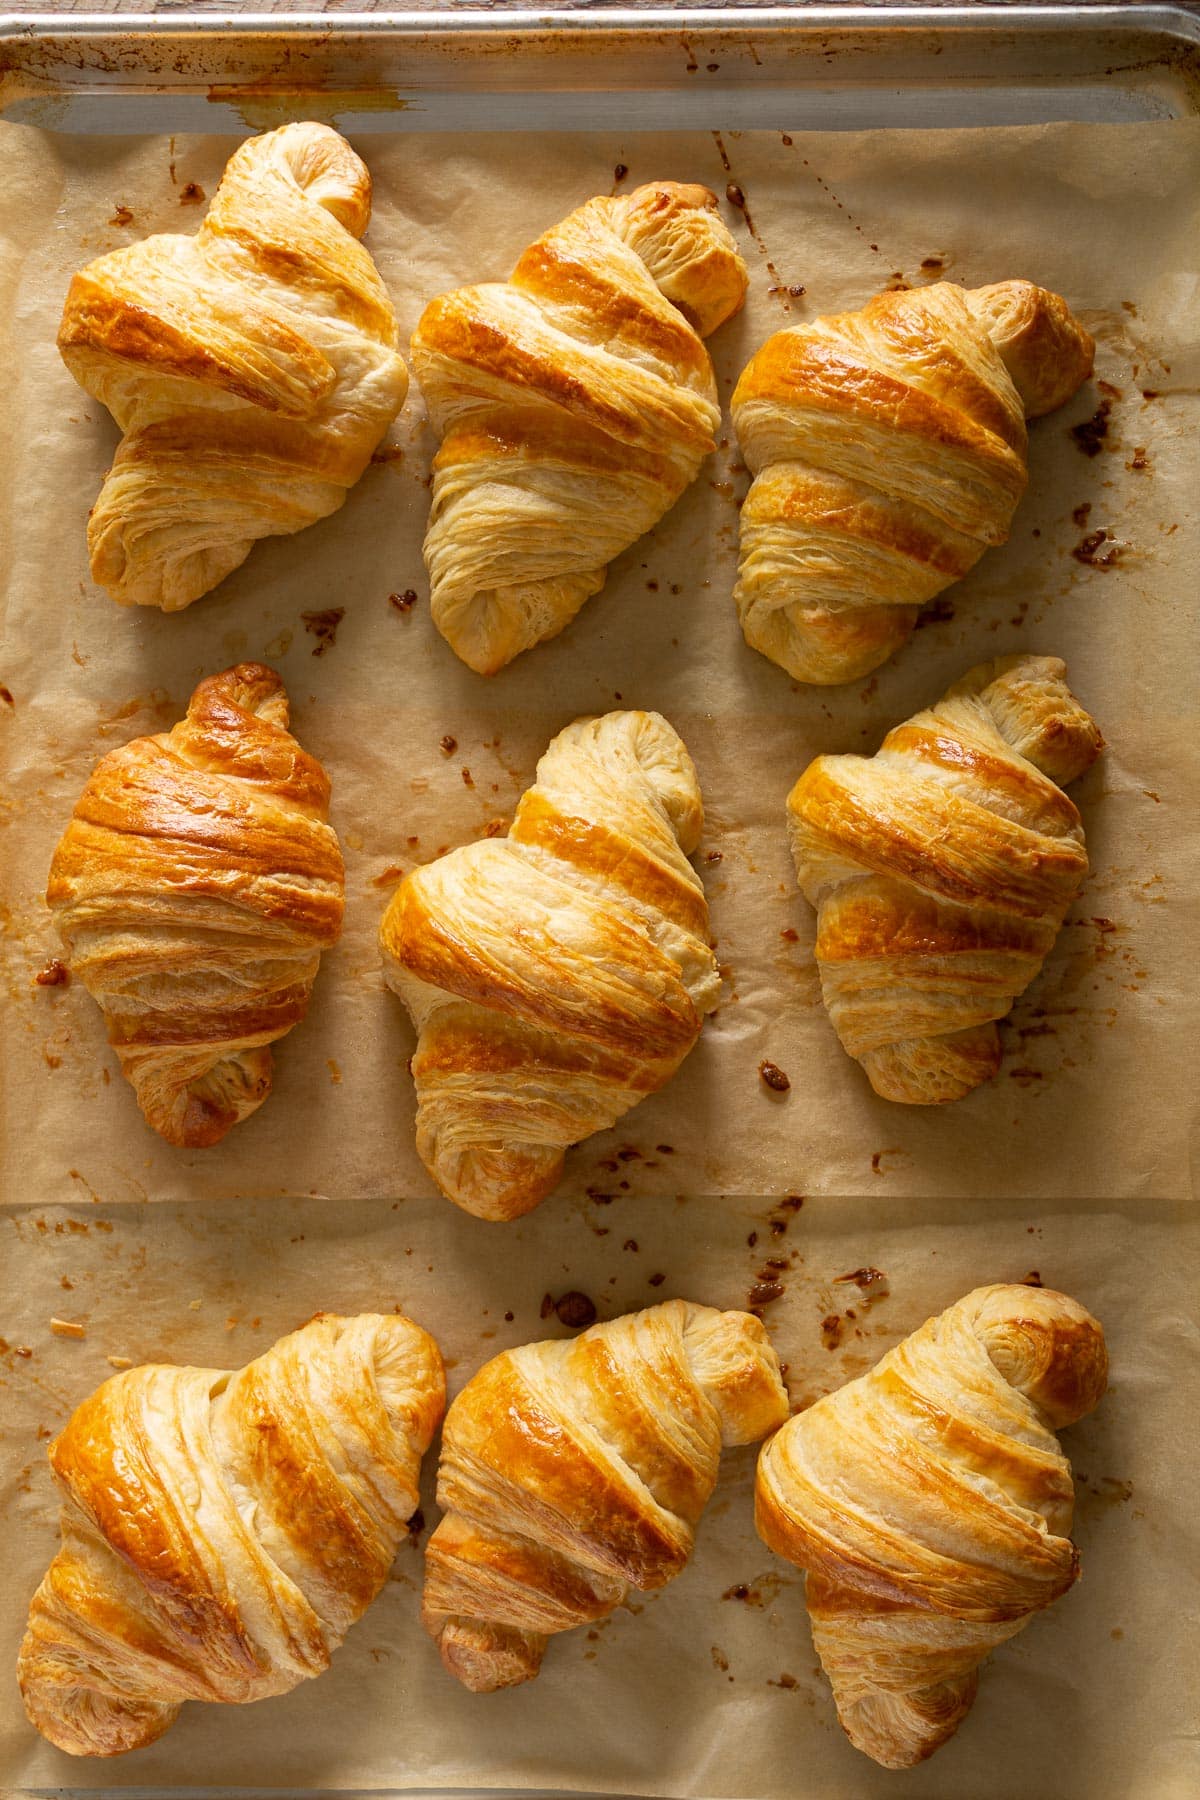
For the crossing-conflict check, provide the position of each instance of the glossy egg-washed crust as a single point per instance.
(888, 452)
(941, 869)
(194, 889)
(930, 1504)
(575, 403)
(560, 974)
(573, 1470)
(221, 1531)
(253, 368)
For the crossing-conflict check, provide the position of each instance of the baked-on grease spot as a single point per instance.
(932, 263)
(389, 877)
(763, 1292)
(335, 1073)
(785, 1681)
(872, 1284)
(468, 780)
(323, 626)
(657, 1280)
(55, 974)
(572, 1309)
(620, 172)
(720, 1660)
(1097, 550)
(790, 935)
(773, 1077)
(6, 695)
(1139, 462)
(833, 1327)
(121, 215)
(192, 194)
(1082, 513)
(403, 603)
(449, 745)
(938, 612)
(1089, 436)
(1032, 1279)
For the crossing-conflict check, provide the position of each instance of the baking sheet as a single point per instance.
(1088, 1101)
(1087, 1129)
(686, 1692)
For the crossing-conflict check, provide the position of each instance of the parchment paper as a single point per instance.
(1089, 1100)
(1095, 1700)
(1086, 1130)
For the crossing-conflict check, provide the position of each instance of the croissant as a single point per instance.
(195, 889)
(930, 1504)
(572, 1470)
(575, 403)
(941, 869)
(888, 451)
(253, 368)
(223, 1530)
(556, 976)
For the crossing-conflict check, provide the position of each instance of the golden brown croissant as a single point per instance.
(253, 369)
(195, 889)
(223, 1530)
(572, 1470)
(930, 1504)
(575, 402)
(941, 869)
(559, 975)
(888, 452)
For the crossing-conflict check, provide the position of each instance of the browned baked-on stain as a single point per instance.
(833, 1327)
(784, 1681)
(403, 603)
(735, 195)
(192, 194)
(388, 877)
(1082, 513)
(872, 1284)
(720, 1660)
(575, 1309)
(1089, 436)
(1097, 550)
(335, 1073)
(1025, 1076)
(620, 172)
(6, 695)
(665, 1149)
(323, 626)
(790, 935)
(763, 1292)
(468, 780)
(773, 1077)
(657, 1279)
(448, 745)
(938, 612)
(416, 1526)
(1139, 462)
(1033, 1279)
(55, 974)
(739, 1591)
(932, 263)
(121, 215)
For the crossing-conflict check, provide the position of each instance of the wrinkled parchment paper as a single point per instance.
(694, 1690)
(1086, 1129)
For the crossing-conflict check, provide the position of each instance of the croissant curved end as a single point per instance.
(495, 1183)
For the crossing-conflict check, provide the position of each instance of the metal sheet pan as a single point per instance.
(820, 68)
(827, 67)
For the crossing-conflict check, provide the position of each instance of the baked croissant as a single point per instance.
(575, 403)
(223, 1530)
(253, 368)
(195, 889)
(941, 869)
(888, 452)
(560, 974)
(572, 1470)
(930, 1504)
